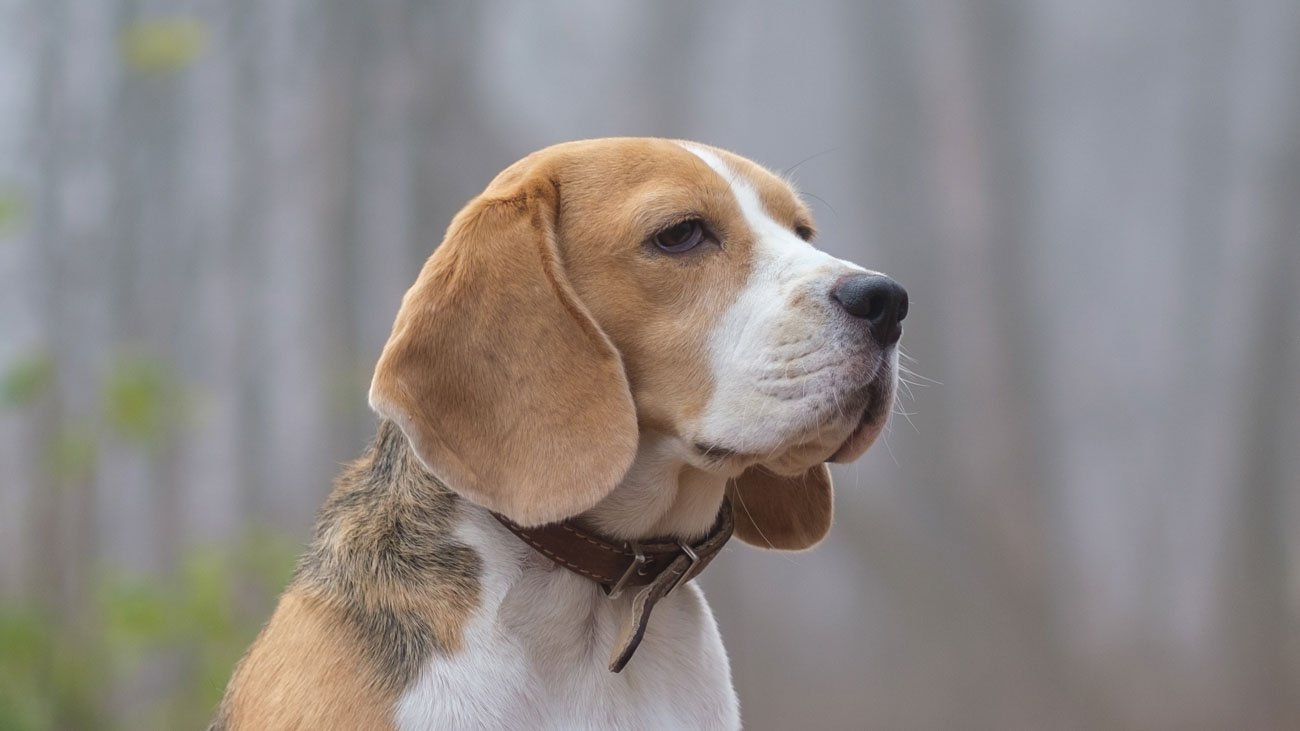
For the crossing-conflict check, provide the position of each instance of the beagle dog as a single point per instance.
(621, 342)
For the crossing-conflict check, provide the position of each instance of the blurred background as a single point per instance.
(1088, 516)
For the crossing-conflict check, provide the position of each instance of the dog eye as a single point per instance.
(804, 232)
(681, 237)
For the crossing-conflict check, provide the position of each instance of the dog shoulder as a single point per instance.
(302, 673)
(384, 587)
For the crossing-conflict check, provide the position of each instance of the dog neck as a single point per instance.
(660, 496)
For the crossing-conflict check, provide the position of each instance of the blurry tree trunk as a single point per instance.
(1259, 572)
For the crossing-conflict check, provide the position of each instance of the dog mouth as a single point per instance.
(716, 453)
(880, 400)
(850, 445)
(874, 401)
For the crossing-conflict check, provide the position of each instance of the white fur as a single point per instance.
(661, 494)
(537, 654)
(785, 374)
(536, 650)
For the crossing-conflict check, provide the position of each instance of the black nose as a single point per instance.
(876, 299)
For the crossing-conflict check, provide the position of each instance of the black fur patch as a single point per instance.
(382, 544)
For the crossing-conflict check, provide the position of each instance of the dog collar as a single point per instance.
(657, 567)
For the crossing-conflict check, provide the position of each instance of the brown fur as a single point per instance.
(302, 673)
(546, 330)
(538, 340)
(496, 373)
(382, 586)
(787, 513)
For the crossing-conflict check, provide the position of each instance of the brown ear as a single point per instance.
(506, 388)
(789, 513)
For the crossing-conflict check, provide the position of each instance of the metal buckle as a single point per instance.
(637, 566)
(690, 553)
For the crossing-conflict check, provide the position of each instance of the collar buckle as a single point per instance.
(637, 568)
(689, 571)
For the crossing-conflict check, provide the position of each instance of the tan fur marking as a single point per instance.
(787, 513)
(384, 585)
(540, 341)
(548, 295)
(274, 689)
(657, 308)
(495, 371)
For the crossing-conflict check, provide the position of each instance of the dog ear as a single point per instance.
(506, 388)
(789, 513)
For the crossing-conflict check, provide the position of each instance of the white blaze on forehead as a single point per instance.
(764, 329)
(771, 239)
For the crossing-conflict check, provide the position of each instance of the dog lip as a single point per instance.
(863, 421)
(714, 451)
(879, 397)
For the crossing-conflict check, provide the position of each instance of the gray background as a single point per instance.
(1088, 520)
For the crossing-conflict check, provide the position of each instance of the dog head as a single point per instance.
(601, 290)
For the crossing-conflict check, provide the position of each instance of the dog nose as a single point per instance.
(876, 299)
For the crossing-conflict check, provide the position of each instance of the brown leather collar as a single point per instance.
(657, 566)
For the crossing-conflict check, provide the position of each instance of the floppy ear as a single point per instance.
(506, 388)
(789, 513)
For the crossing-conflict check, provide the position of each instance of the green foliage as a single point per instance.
(162, 45)
(13, 207)
(26, 379)
(45, 681)
(66, 672)
(142, 401)
(70, 455)
(138, 652)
